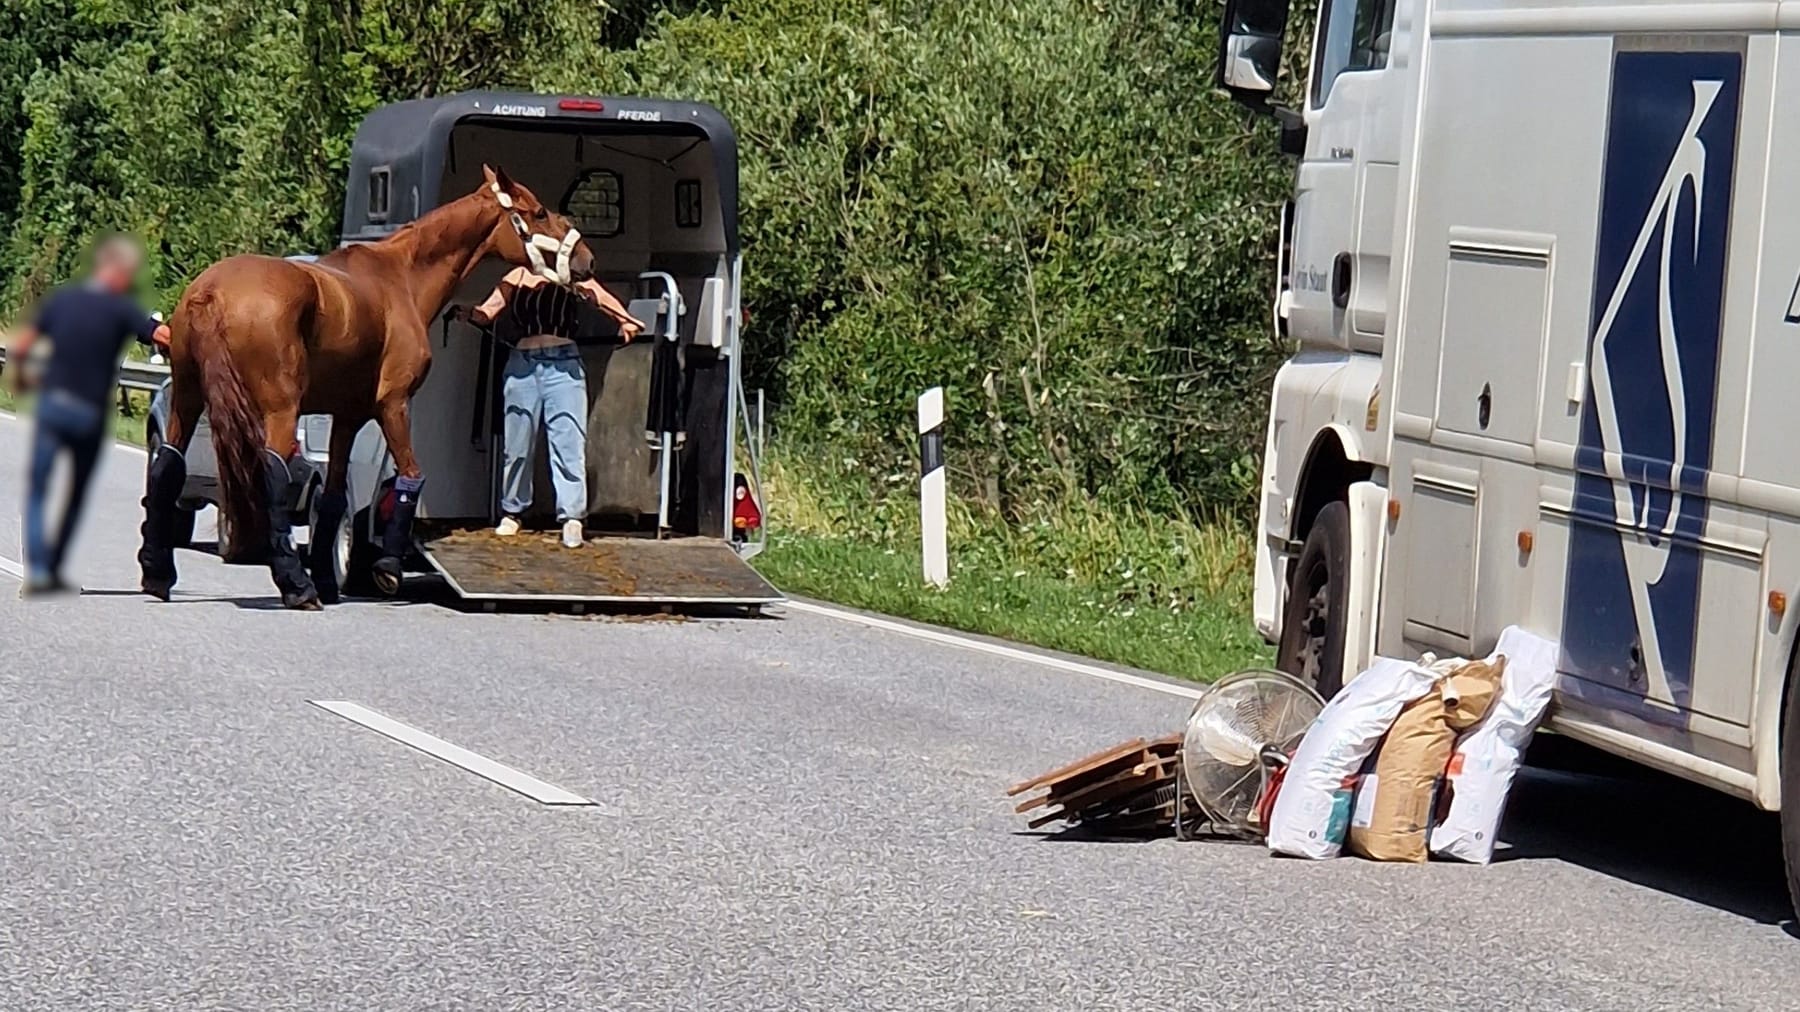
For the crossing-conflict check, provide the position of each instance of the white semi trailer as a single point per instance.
(1540, 269)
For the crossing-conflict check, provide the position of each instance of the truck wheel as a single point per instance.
(1790, 784)
(1314, 625)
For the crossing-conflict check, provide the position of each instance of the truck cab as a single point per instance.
(1539, 277)
(1332, 301)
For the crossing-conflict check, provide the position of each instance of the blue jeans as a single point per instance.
(546, 386)
(64, 422)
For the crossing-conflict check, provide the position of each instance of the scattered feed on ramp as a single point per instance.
(481, 565)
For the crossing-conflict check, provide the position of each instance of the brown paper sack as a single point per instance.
(1392, 816)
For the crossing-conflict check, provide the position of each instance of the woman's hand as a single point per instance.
(629, 327)
(469, 314)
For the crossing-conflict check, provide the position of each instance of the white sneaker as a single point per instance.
(573, 534)
(509, 526)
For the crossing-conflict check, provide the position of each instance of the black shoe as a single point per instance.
(158, 587)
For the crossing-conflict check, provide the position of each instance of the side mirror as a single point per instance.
(1250, 37)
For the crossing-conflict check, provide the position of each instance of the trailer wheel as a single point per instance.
(1790, 784)
(1314, 626)
(359, 578)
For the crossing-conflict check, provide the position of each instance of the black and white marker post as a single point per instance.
(931, 487)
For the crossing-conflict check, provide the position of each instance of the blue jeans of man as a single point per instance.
(548, 387)
(68, 423)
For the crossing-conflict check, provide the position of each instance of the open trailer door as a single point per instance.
(671, 463)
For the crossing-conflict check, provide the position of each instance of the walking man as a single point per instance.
(86, 326)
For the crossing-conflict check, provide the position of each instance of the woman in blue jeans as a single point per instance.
(545, 384)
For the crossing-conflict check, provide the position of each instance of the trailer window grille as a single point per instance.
(688, 212)
(597, 203)
(380, 193)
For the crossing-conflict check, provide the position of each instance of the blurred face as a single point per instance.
(116, 265)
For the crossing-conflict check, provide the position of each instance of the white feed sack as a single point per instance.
(1312, 810)
(1488, 755)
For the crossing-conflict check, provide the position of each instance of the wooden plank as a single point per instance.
(1085, 764)
(1106, 790)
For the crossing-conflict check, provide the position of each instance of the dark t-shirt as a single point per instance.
(87, 328)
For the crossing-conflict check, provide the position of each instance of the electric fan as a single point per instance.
(1237, 742)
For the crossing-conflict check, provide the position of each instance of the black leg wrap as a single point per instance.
(284, 561)
(156, 556)
(322, 551)
(397, 538)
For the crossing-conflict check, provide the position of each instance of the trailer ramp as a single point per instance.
(619, 570)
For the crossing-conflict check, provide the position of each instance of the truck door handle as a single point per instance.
(1340, 280)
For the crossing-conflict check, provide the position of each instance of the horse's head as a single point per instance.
(531, 235)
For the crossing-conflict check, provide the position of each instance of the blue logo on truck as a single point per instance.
(1631, 605)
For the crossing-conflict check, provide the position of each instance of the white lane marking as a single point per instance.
(996, 649)
(11, 568)
(480, 765)
(121, 444)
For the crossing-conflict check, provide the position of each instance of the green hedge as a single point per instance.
(1039, 204)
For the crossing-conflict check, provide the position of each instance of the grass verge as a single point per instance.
(1153, 592)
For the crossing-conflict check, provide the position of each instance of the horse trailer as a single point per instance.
(671, 464)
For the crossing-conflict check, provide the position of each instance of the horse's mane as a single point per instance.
(405, 233)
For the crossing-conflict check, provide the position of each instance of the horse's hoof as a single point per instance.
(158, 588)
(385, 574)
(308, 601)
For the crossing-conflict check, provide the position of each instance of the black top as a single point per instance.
(551, 310)
(87, 328)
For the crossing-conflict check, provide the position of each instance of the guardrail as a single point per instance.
(146, 376)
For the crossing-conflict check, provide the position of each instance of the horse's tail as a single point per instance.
(238, 438)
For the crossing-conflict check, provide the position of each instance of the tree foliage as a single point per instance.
(1039, 204)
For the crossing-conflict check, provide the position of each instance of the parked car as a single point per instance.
(368, 467)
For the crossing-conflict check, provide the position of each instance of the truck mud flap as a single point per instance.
(623, 571)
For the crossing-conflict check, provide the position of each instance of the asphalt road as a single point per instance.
(795, 813)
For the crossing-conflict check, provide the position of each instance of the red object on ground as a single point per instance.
(1266, 803)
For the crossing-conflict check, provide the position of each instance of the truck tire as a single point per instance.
(1314, 625)
(1790, 783)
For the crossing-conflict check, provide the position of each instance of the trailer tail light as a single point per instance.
(746, 516)
(581, 105)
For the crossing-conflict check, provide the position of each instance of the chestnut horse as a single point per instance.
(259, 341)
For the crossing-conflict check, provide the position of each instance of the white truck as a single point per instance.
(1541, 272)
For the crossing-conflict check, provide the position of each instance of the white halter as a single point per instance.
(537, 244)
